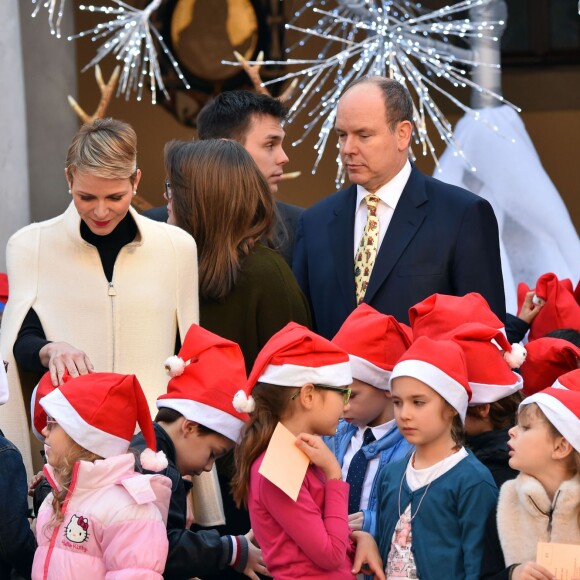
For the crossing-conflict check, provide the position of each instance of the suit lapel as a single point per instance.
(406, 221)
(341, 235)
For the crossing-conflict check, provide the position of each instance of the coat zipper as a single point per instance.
(63, 509)
(549, 514)
(112, 293)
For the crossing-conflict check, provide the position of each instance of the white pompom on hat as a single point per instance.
(206, 375)
(440, 364)
(294, 357)
(560, 404)
(100, 411)
(374, 342)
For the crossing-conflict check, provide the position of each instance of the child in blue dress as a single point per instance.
(434, 505)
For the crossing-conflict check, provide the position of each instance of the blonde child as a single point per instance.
(433, 506)
(102, 519)
(543, 503)
(301, 380)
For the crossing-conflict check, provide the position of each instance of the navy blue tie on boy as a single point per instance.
(356, 473)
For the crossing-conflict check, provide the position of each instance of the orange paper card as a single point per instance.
(563, 560)
(284, 464)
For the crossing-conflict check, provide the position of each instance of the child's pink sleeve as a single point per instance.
(322, 535)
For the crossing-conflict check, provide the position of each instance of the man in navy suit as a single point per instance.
(433, 237)
(255, 121)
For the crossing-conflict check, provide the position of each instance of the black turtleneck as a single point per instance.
(31, 337)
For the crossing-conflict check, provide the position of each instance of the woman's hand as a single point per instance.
(319, 454)
(255, 561)
(367, 559)
(531, 571)
(60, 357)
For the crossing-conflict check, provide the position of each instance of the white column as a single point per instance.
(14, 204)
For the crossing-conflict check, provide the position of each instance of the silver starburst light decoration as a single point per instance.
(400, 40)
(54, 14)
(131, 38)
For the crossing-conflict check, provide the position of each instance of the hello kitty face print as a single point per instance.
(77, 530)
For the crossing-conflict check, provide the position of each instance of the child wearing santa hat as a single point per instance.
(17, 542)
(102, 519)
(433, 506)
(367, 438)
(196, 424)
(543, 503)
(301, 380)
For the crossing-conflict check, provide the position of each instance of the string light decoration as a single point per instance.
(130, 37)
(397, 39)
(54, 15)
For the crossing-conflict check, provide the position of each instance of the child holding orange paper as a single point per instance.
(543, 503)
(301, 380)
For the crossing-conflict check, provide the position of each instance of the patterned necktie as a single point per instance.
(367, 249)
(356, 473)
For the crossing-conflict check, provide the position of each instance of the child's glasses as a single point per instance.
(345, 392)
(50, 423)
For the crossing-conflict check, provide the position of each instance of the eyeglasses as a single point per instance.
(345, 392)
(50, 423)
(168, 193)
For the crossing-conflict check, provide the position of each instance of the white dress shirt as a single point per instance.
(388, 195)
(355, 444)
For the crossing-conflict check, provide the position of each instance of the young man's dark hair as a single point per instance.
(229, 115)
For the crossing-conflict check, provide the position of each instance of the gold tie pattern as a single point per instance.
(367, 249)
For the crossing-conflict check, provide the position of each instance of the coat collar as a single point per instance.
(72, 223)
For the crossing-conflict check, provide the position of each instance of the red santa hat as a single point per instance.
(490, 376)
(374, 343)
(206, 375)
(562, 309)
(440, 314)
(293, 357)
(3, 287)
(440, 364)
(100, 411)
(547, 359)
(561, 405)
(37, 413)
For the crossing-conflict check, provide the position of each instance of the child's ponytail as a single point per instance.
(270, 404)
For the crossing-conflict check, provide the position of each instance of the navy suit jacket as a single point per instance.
(441, 239)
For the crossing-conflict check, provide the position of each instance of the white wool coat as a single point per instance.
(128, 327)
(526, 516)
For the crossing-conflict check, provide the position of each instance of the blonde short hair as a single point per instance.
(105, 148)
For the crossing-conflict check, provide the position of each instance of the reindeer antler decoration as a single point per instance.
(107, 90)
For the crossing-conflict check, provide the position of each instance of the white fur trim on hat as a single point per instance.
(287, 375)
(482, 394)
(86, 435)
(205, 415)
(452, 391)
(367, 372)
(559, 415)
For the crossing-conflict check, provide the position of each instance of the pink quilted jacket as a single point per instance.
(113, 527)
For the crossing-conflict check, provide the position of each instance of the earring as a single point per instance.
(134, 192)
(70, 192)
